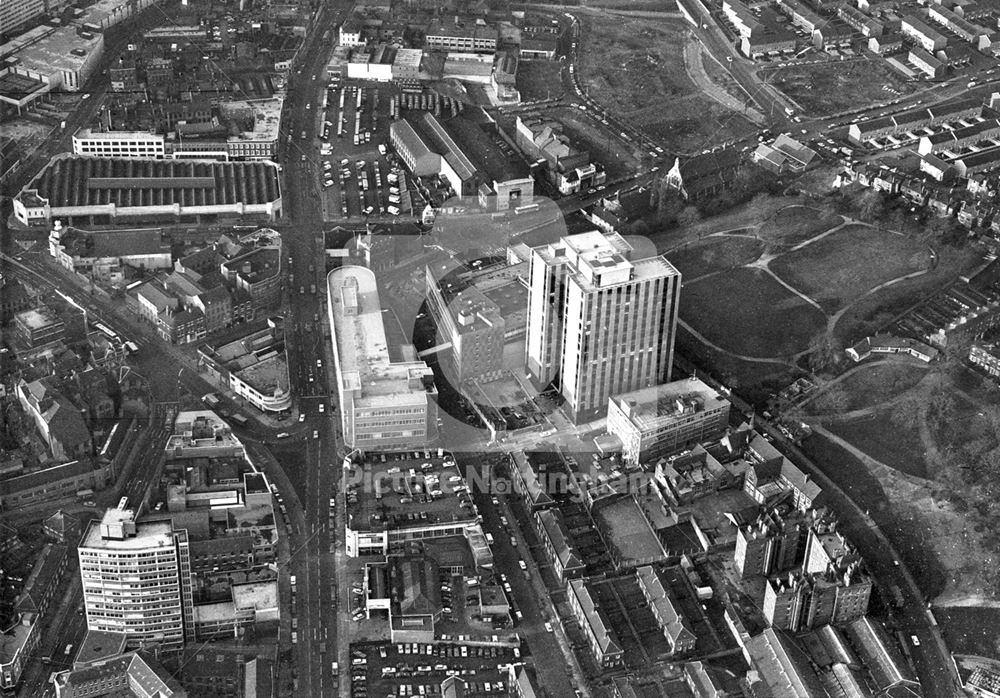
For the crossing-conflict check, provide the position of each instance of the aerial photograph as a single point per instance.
(500, 349)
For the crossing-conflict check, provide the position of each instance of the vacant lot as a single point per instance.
(970, 630)
(850, 262)
(747, 312)
(632, 66)
(715, 254)
(539, 80)
(831, 87)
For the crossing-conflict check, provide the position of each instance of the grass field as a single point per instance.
(850, 262)
(833, 86)
(747, 312)
(874, 383)
(631, 66)
(902, 451)
(795, 224)
(874, 311)
(715, 254)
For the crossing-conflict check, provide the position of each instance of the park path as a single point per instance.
(863, 411)
(744, 357)
(832, 320)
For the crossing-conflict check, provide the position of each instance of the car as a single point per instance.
(302, 416)
(315, 434)
(548, 627)
(915, 640)
(322, 408)
(513, 542)
(522, 565)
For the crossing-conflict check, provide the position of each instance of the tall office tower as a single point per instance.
(599, 323)
(137, 579)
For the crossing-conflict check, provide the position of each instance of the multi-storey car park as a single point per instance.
(393, 498)
(87, 190)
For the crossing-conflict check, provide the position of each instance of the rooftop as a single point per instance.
(266, 115)
(627, 531)
(364, 366)
(598, 260)
(90, 181)
(104, 534)
(411, 494)
(63, 50)
(659, 405)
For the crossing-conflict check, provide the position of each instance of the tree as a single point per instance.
(833, 400)
(823, 353)
(871, 205)
(908, 413)
(759, 208)
(688, 216)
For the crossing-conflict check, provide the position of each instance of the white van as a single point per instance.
(393, 211)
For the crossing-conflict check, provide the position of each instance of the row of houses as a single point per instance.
(916, 119)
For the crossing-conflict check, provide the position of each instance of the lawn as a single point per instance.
(714, 255)
(794, 224)
(846, 264)
(874, 383)
(755, 381)
(833, 86)
(875, 311)
(877, 435)
(747, 312)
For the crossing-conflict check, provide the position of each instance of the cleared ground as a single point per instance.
(834, 86)
(539, 80)
(748, 312)
(605, 147)
(849, 263)
(633, 66)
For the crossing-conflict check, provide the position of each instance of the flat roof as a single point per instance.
(406, 500)
(266, 117)
(627, 531)
(63, 50)
(257, 595)
(594, 254)
(363, 362)
(37, 318)
(656, 405)
(147, 534)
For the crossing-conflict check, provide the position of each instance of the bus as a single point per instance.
(527, 208)
(105, 330)
(122, 504)
(69, 648)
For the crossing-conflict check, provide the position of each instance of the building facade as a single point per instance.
(384, 404)
(599, 324)
(657, 421)
(137, 579)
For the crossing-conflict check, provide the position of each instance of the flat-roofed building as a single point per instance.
(38, 327)
(471, 322)
(114, 553)
(106, 256)
(61, 57)
(386, 401)
(461, 35)
(653, 422)
(119, 144)
(14, 14)
(602, 323)
(254, 366)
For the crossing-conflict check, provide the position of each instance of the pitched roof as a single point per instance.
(555, 530)
(599, 629)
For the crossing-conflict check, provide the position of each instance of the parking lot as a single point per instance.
(417, 669)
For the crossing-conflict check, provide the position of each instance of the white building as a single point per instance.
(657, 421)
(63, 57)
(119, 144)
(601, 323)
(384, 404)
(137, 579)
